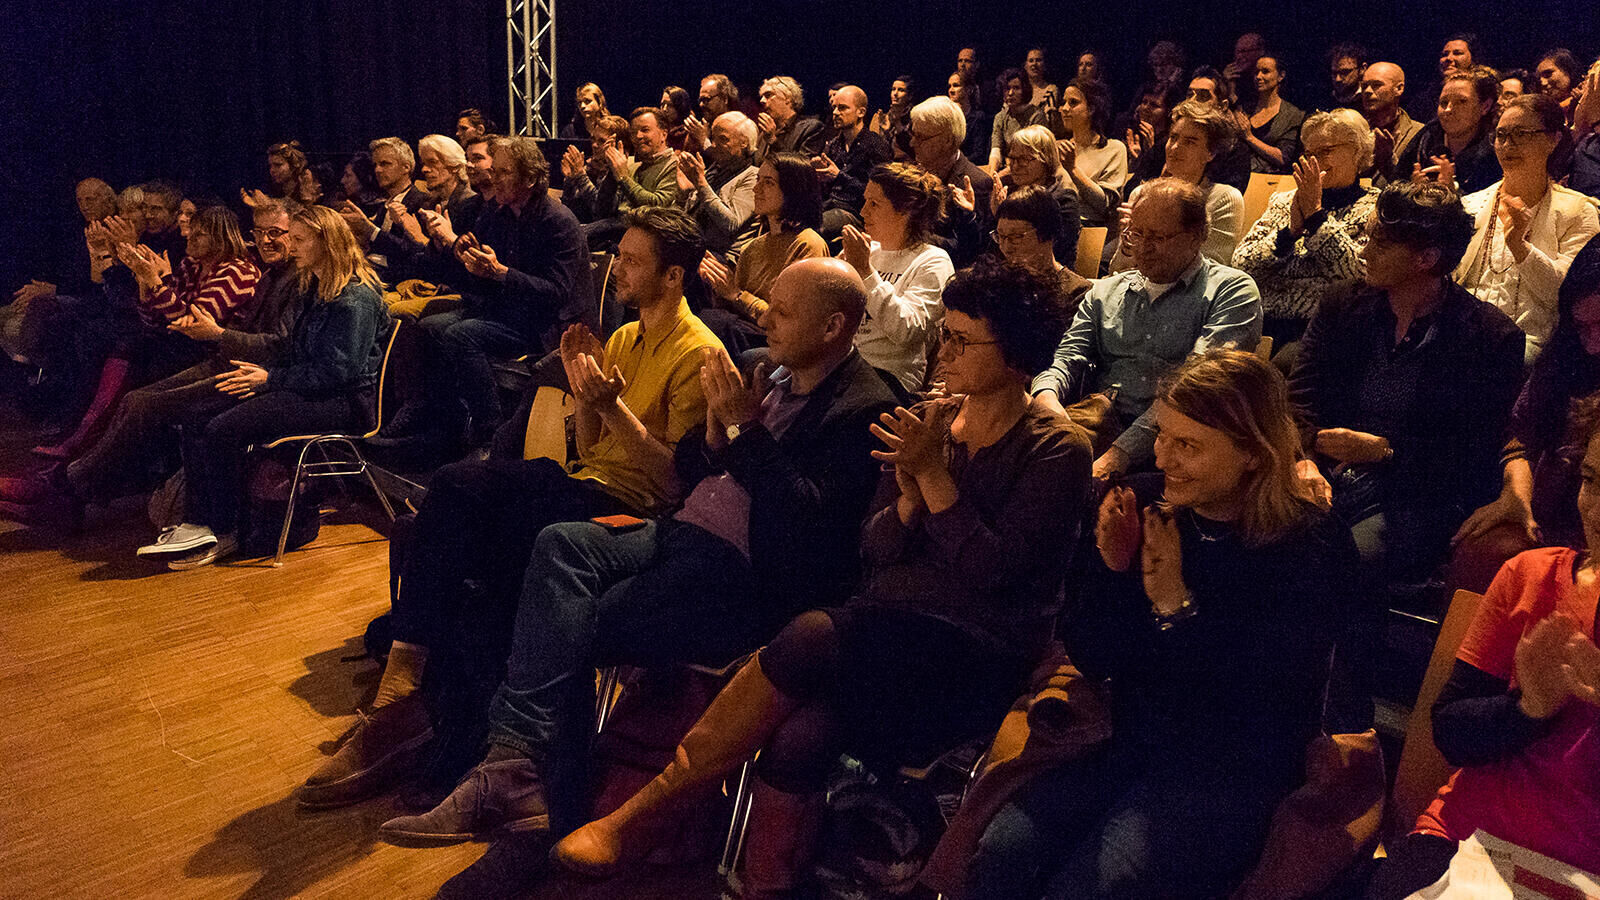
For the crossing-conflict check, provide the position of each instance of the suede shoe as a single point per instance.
(384, 746)
(505, 796)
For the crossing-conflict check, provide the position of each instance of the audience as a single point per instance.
(1198, 137)
(894, 123)
(781, 127)
(1347, 63)
(789, 202)
(1528, 227)
(1585, 167)
(1233, 159)
(472, 125)
(965, 564)
(1241, 72)
(1456, 148)
(1016, 113)
(1097, 164)
(635, 399)
(480, 166)
(1310, 238)
(589, 107)
(720, 185)
(1271, 127)
(1559, 74)
(1033, 162)
(1383, 86)
(1212, 615)
(965, 95)
(904, 271)
(650, 179)
(1041, 91)
(1137, 325)
(846, 161)
(1514, 83)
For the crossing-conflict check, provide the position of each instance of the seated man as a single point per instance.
(392, 163)
(627, 185)
(130, 456)
(472, 125)
(1383, 87)
(1135, 326)
(524, 277)
(783, 129)
(480, 165)
(938, 129)
(635, 399)
(721, 187)
(783, 476)
(847, 160)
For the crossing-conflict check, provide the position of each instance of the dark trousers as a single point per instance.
(479, 522)
(1416, 862)
(1101, 828)
(456, 364)
(214, 446)
(130, 456)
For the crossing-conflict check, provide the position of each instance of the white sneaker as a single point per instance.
(225, 546)
(179, 539)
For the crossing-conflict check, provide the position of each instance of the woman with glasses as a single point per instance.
(1310, 237)
(1199, 135)
(1528, 228)
(905, 273)
(1033, 160)
(985, 489)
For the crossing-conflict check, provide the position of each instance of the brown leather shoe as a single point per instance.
(385, 746)
(505, 796)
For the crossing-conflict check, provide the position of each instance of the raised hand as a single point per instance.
(1117, 529)
(880, 122)
(1515, 219)
(1161, 557)
(825, 167)
(438, 225)
(1382, 146)
(857, 250)
(998, 194)
(1307, 192)
(577, 341)
(767, 125)
(594, 387)
(965, 196)
(695, 129)
(1538, 664)
(480, 259)
(122, 231)
(915, 443)
(616, 160)
(572, 162)
(357, 220)
(1069, 154)
(734, 402)
(691, 171)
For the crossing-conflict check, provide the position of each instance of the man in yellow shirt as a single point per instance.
(635, 398)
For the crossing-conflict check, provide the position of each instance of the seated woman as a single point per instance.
(1097, 164)
(1034, 160)
(1558, 409)
(1272, 129)
(1025, 228)
(1199, 134)
(1519, 715)
(1217, 657)
(589, 107)
(788, 199)
(966, 560)
(1455, 147)
(1404, 385)
(1310, 238)
(905, 273)
(1528, 227)
(217, 274)
(324, 382)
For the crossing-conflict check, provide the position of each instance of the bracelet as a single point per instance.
(1186, 610)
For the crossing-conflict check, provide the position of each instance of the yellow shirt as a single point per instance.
(662, 372)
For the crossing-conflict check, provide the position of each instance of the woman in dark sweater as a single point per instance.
(966, 561)
(324, 382)
(1216, 658)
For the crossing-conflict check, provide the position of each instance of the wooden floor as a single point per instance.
(154, 724)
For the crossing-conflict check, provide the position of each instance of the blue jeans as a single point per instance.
(459, 350)
(1101, 828)
(650, 594)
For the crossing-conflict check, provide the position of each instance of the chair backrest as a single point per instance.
(1091, 244)
(546, 437)
(383, 378)
(1256, 195)
(1423, 769)
(600, 264)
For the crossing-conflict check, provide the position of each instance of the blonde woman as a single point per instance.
(1033, 159)
(322, 382)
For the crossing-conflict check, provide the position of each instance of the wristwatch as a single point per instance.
(733, 431)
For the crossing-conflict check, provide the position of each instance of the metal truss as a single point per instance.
(531, 68)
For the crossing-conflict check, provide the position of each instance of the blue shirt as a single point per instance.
(1130, 340)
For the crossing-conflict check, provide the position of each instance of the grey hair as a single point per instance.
(450, 152)
(398, 148)
(1343, 125)
(742, 125)
(942, 113)
(789, 88)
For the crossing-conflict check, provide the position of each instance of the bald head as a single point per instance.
(1382, 86)
(96, 199)
(817, 304)
(849, 107)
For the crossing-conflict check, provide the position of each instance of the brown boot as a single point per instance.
(782, 837)
(504, 796)
(737, 723)
(383, 747)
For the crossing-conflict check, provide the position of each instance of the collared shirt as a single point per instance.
(662, 374)
(1132, 338)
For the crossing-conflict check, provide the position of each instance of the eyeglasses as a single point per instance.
(1134, 236)
(1325, 152)
(1012, 238)
(958, 343)
(269, 234)
(1516, 135)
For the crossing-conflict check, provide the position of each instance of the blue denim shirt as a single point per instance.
(1130, 340)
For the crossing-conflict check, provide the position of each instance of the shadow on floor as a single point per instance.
(291, 851)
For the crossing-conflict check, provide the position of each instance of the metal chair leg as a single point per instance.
(288, 512)
(733, 845)
(605, 697)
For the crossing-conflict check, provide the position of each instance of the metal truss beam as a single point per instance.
(531, 68)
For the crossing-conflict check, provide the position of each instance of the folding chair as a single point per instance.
(335, 467)
(1091, 245)
(1258, 193)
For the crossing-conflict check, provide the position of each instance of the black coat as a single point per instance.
(809, 490)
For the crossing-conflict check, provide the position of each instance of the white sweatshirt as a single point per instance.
(903, 310)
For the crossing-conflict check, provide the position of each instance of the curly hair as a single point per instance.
(1426, 216)
(1022, 310)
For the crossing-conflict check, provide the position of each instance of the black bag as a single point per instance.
(266, 500)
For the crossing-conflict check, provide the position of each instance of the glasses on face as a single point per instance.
(1135, 237)
(1325, 152)
(958, 343)
(269, 234)
(1516, 135)
(922, 138)
(1012, 238)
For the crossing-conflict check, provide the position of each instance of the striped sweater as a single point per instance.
(226, 291)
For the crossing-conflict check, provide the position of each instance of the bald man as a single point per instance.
(781, 475)
(847, 160)
(1383, 86)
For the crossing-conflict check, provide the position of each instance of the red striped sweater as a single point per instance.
(226, 291)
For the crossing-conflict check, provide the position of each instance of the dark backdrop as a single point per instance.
(195, 91)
